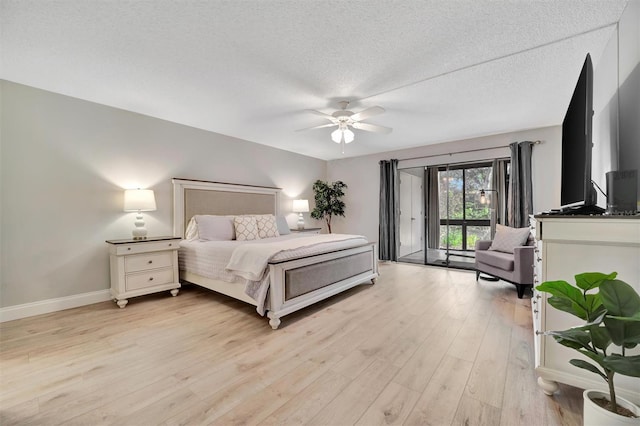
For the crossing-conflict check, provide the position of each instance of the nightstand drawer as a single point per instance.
(149, 279)
(146, 246)
(146, 261)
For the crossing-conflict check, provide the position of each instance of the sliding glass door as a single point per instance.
(444, 204)
(463, 218)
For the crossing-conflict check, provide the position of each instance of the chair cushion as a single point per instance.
(496, 259)
(507, 238)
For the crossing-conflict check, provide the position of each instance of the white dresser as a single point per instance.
(566, 246)
(141, 267)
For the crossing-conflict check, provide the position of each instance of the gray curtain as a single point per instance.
(389, 224)
(433, 208)
(520, 186)
(499, 203)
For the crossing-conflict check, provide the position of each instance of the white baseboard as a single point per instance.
(11, 313)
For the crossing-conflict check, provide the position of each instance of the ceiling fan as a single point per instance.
(344, 118)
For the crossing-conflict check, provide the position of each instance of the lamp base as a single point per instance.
(300, 221)
(139, 232)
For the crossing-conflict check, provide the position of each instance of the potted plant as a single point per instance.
(612, 316)
(328, 200)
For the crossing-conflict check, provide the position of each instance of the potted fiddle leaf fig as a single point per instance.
(328, 197)
(611, 311)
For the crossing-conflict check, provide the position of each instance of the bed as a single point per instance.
(303, 270)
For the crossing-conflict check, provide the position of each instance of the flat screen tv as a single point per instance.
(576, 192)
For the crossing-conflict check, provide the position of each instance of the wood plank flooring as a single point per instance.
(423, 346)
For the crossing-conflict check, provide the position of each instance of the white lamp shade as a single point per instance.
(300, 206)
(336, 135)
(139, 200)
(348, 136)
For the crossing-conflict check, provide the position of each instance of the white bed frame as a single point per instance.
(278, 306)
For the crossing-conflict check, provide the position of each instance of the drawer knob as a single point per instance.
(150, 278)
(534, 301)
(535, 311)
(150, 262)
(169, 244)
(539, 333)
(128, 248)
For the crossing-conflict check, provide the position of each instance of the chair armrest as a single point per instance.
(523, 264)
(483, 244)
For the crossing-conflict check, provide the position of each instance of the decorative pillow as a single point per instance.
(267, 226)
(191, 233)
(215, 228)
(283, 226)
(246, 228)
(507, 239)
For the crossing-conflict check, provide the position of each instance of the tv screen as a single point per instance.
(576, 187)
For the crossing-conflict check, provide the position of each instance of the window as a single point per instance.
(463, 219)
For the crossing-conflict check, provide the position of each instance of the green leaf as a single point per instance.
(563, 292)
(619, 298)
(594, 305)
(596, 356)
(574, 338)
(600, 337)
(586, 366)
(589, 280)
(568, 306)
(624, 331)
(625, 365)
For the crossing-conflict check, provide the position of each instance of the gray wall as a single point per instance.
(64, 164)
(629, 90)
(616, 103)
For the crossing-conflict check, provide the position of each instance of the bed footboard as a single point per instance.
(299, 283)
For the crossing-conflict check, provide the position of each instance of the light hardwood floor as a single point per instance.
(423, 346)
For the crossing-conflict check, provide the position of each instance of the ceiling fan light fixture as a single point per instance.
(345, 119)
(338, 135)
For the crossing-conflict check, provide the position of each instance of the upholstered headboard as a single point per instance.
(191, 197)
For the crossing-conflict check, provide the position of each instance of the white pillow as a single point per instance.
(215, 228)
(246, 228)
(267, 226)
(283, 226)
(507, 239)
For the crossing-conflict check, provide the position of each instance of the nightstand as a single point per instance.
(141, 267)
(307, 230)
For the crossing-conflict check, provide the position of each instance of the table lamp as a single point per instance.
(139, 200)
(300, 206)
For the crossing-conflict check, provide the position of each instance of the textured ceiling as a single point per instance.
(444, 70)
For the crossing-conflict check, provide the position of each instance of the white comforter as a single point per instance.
(246, 261)
(250, 261)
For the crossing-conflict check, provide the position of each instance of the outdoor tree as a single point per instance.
(329, 202)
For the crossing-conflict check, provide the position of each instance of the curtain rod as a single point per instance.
(461, 152)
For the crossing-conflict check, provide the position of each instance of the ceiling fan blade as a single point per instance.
(322, 114)
(366, 113)
(318, 127)
(372, 127)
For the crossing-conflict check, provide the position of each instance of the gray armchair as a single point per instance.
(516, 268)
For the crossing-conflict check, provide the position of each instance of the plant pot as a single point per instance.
(594, 415)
